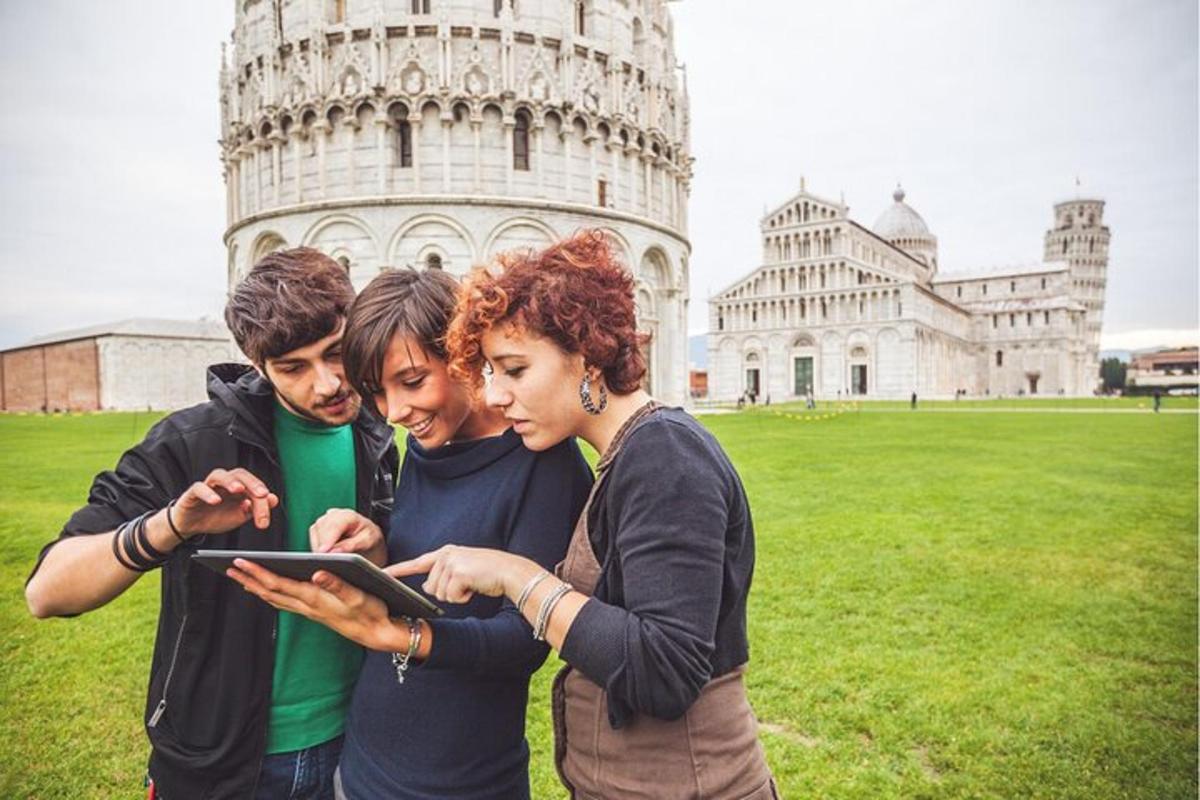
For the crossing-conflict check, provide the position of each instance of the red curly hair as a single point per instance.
(574, 293)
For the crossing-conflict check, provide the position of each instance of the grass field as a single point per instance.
(945, 606)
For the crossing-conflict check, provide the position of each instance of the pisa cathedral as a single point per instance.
(838, 310)
(436, 133)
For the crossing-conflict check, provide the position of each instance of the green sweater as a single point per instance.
(315, 668)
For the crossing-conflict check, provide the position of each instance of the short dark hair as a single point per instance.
(414, 304)
(289, 299)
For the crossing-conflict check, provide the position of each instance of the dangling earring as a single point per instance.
(585, 396)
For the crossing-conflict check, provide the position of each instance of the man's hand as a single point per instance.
(224, 500)
(340, 530)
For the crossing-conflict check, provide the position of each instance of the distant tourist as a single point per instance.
(1157, 400)
(913, 402)
(243, 701)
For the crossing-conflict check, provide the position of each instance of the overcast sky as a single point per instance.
(112, 202)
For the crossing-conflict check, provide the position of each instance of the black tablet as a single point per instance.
(350, 567)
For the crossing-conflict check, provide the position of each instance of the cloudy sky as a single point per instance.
(986, 111)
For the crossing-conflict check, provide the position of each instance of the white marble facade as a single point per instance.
(437, 133)
(839, 310)
(154, 372)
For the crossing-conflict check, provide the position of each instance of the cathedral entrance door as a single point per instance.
(858, 379)
(803, 384)
(1033, 381)
(752, 381)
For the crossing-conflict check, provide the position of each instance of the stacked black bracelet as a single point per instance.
(171, 524)
(132, 548)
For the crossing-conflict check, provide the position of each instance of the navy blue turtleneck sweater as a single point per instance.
(456, 727)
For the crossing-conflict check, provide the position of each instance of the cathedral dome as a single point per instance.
(900, 221)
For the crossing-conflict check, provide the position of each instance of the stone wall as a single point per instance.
(144, 372)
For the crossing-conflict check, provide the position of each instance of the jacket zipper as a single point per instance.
(162, 703)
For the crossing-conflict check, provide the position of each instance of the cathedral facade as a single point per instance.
(839, 310)
(437, 133)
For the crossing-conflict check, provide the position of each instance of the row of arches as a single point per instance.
(381, 150)
(1082, 244)
(859, 306)
(782, 280)
(440, 241)
(809, 244)
(801, 211)
(610, 132)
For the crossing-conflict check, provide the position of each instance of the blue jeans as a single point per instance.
(301, 774)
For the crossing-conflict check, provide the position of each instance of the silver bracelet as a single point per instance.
(528, 590)
(400, 661)
(547, 608)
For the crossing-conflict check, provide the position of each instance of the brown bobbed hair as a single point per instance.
(289, 299)
(417, 305)
(574, 293)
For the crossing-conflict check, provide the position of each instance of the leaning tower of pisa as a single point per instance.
(436, 133)
(1080, 238)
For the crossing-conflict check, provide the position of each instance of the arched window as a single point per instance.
(433, 261)
(420, 6)
(581, 18)
(345, 262)
(1064, 246)
(497, 7)
(398, 113)
(999, 358)
(521, 142)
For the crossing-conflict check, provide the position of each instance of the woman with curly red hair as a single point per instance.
(648, 609)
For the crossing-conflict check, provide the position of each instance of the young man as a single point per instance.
(243, 701)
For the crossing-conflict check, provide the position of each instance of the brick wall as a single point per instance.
(54, 377)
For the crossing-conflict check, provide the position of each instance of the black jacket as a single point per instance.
(210, 677)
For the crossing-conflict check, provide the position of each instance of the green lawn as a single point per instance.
(945, 605)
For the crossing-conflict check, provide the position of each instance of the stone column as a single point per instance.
(477, 133)
(568, 164)
(509, 124)
(276, 167)
(538, 172)
(297, 167)
(447, 121)
(256, 174)
(414, 126)
(382, 161)
(590, 140)
(350, 123)
(648, 178)
(616, 173)
(321, 129)
(631, 150)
